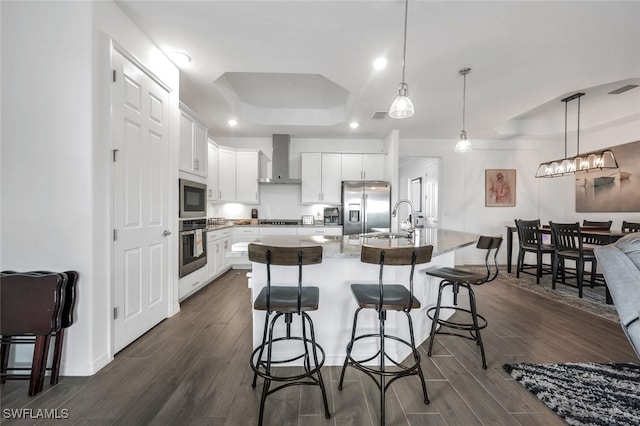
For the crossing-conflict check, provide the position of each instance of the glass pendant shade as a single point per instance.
(402, 107)
(463, 144)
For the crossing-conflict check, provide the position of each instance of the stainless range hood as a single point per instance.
(280, 162)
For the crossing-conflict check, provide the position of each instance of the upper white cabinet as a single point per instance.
(226, 174)
(238, 172)
(247, 173)
(311, 176)
(321, 181)
(212, 176)
(193, 143)
(363, 167)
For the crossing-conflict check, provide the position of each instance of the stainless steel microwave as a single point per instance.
(193, 199)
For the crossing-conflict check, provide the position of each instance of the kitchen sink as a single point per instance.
(388, 235)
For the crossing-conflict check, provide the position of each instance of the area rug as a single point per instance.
(593, 300)
(585, 393)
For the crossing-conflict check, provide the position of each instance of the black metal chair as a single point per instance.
(383, 297)
(630, 226)
(464, 320)
(570, 245)
(285, 301)
(530, 241)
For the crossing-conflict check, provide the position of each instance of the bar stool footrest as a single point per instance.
(466, 326)
(259, 366)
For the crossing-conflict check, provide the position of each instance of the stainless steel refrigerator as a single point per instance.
(366, 206)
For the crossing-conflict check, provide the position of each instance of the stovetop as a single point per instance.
(292, 222)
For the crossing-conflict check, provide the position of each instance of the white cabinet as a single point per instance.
(238, 172)
(363, 167)
(193, 143)
(218, 243)
(226, 174)
(321, 178)
(331, 178)
(311, 176)
(191, 283)
(212, 176)
(332, 231)
(247, 172)
(278, 230)
(244, 235)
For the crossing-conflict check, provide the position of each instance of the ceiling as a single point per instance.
(305, 67)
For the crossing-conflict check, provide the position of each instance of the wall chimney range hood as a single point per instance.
(280, 162)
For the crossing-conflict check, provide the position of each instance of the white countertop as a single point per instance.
(443, 241)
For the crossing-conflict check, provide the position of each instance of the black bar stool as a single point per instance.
(472, 322)
(285, 301)
(387, 297)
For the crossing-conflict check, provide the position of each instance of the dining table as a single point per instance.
(603, 235)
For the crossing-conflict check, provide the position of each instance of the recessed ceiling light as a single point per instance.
(180, 58)
(380, 63)
(233, 122)
(354, 124)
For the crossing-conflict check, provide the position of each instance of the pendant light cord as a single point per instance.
(565, 130)
(404, 48)
(578, 130)
(464, 99)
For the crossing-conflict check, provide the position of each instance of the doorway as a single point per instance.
(141, 182)
(419, 180)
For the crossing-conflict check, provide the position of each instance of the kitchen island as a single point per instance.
(340, 267)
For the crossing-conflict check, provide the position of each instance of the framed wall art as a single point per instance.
(612, 190)
(500, 187)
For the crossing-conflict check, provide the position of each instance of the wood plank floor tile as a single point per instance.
(193, 368)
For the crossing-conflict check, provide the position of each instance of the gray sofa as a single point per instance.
(620, 263)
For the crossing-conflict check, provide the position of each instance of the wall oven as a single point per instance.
(193, 245)
(193, 199)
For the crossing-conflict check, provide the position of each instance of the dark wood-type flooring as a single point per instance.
(192, 369)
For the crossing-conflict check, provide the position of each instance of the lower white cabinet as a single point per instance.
(218, 243)
(328, 231)
(191, 283)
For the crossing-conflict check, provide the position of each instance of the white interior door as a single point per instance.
(141, 202)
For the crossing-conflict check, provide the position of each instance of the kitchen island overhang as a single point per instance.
(340, 268)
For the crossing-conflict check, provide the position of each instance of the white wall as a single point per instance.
(55, 184)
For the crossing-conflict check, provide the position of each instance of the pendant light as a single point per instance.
(402, 107)
(463, 144)
(588, 162)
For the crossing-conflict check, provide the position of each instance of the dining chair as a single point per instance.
(597, 224)
(530, 241)
(569, 245)
(630, 226)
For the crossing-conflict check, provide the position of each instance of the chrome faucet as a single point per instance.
(411, 228)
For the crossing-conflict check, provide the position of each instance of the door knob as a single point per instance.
(166, 233)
